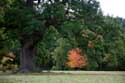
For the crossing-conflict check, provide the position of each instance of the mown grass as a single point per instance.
(63, 78)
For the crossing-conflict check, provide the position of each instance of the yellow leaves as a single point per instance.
(5, 59)
(10, 56)
(87, 33)
(90, 44)
(107, 57)
(99, 37)
(91, 34)
(91, 38)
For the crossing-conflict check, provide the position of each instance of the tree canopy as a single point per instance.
(51, 28)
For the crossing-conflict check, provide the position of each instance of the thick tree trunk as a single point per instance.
(27, 54)
(29, 3)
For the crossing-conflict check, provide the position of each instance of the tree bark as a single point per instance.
(27, 54)
(29, 3)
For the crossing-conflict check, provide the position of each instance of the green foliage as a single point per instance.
(64, 25)
(54, 11)
(46, 47)
(59, 55)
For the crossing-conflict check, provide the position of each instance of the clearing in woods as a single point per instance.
(65, 77)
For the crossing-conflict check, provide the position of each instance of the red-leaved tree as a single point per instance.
(76, 59)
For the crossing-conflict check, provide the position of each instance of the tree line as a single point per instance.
(42, 33)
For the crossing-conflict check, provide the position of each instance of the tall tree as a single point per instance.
(28, 25)
(28, 21)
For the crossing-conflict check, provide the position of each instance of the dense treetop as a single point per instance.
(54, 27)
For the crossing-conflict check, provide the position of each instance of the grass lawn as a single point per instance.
(84, 77)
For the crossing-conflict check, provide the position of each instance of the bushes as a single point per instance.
(8, 62)
(75, 59)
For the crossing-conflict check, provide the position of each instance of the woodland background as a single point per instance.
(60, 35)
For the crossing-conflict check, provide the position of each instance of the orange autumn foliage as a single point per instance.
(10, 56)
(76, 59)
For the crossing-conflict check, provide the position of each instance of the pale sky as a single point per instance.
(113, 7)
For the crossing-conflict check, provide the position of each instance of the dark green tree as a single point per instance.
(55, 26)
